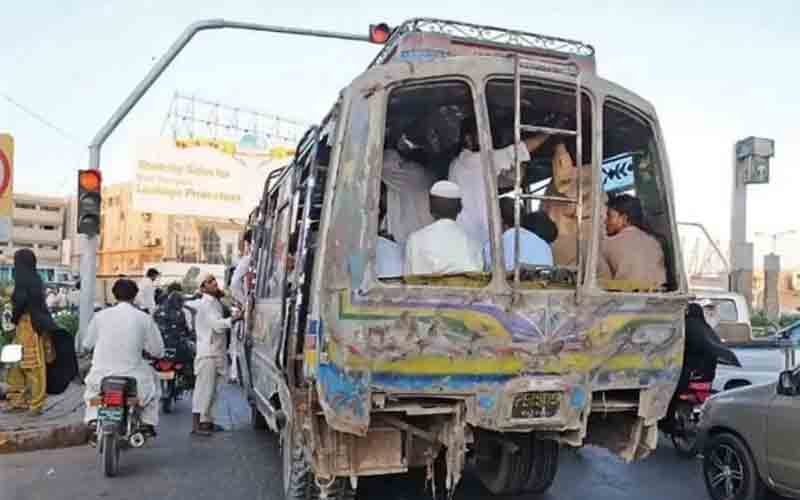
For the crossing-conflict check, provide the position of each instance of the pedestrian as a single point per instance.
(146, 299)
(74, 297)
(240, 288)
(209, 364)
(118, 335)
(27, 382)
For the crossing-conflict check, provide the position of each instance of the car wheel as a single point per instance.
(729, 470)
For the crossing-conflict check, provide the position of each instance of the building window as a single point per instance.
(210, 243)
(49, 228)
(25, 206)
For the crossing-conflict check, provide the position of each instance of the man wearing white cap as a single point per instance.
(209, 362)
(442, 247)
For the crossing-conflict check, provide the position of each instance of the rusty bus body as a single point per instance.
(366, 376)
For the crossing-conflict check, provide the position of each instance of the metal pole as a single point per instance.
(88, 267)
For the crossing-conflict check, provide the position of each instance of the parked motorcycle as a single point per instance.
(119, 422)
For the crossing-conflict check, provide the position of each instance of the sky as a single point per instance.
(716, 71)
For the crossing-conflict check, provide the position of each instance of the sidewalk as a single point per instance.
(59, 425)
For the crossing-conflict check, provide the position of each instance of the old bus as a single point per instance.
(366, 373)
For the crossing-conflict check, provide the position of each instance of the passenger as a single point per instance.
(630, 253)
(533, 250)
(389, 254)
(442, 247)
(407, 184)
(540, 224)
(467, 171)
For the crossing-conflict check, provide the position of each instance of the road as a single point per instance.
(245, 464)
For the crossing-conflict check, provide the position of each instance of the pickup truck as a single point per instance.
(762, 358)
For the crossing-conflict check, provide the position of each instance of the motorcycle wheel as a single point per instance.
(684, 435)
(168, 397)
(110, 454)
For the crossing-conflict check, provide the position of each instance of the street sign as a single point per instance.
(6, 185)
(756, 170)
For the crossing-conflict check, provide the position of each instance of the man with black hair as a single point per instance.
(533, 250)
(444, 246)
(146, 299)
(118, 335)
(630, 252)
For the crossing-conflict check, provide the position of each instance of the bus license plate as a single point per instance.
(106, 414)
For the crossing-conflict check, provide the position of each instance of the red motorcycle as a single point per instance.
(176, 378)
(682, 425)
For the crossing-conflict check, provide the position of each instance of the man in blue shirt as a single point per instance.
(533, 250)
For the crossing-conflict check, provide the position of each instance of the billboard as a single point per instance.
(201, 177)
(6, 185)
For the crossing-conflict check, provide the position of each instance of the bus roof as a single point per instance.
(422, 38)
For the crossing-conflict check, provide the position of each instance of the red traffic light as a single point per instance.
(89, 180)
(379, 33)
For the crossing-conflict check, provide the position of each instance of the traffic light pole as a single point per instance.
(89, 245)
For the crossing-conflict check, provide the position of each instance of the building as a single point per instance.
(38, 224)
(131, 239)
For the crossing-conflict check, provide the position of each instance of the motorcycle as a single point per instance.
(176, 378)
(119, 423)
(683, 427)
(175, 370)
(705, 352)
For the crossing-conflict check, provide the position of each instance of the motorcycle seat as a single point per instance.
(115, 383)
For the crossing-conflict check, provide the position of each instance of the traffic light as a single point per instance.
(89, 186)
(379, 33)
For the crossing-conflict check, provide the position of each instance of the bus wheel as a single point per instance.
(514, 464)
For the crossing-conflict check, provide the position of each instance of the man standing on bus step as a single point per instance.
(443, 247)
(146, 300)
(240, 288)
(209, 362)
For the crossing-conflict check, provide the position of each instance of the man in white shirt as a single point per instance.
(533, 250)
(209, 362)
(147, 291)
(466, 170)
(118, 336)
(240, 287)
(407, 185)
(442, 247)
(388, 253)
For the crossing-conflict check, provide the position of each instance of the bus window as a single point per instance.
(424, 239)
(548, 228)
(637, 253)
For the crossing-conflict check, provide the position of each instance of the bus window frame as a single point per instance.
(547, 85)
(376, 170)
(592, 285)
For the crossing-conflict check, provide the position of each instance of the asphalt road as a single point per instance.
(245, 464)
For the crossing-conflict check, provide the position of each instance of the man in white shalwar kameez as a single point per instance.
(407, 186)
(467, 169)
(443, 247)
(239, 291)
(118, 336)
(209, 361)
